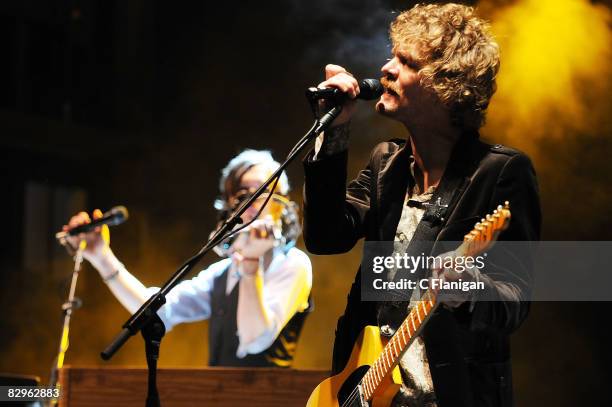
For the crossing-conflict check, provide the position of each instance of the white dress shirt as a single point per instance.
(285, 290)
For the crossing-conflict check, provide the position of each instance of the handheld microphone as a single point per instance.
(369, 89)
(115, 216)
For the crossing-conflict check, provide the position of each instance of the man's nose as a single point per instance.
(390, 69)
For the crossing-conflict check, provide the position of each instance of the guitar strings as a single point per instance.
(349, 400)
(502, 214)
(352, 397)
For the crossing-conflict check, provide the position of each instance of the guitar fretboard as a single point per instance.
(480, 238)
(397, 345)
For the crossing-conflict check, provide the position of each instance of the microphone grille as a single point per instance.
(119, 213)
(370, 89)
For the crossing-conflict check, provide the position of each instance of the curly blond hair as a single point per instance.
(458, 57)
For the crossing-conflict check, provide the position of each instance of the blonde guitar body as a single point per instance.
(335, 390)
(371, 376)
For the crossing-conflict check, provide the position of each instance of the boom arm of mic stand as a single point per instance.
(141, 317)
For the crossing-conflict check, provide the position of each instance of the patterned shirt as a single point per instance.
(417, 389)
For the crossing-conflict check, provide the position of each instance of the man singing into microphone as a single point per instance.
(435, 185)
(256, 299)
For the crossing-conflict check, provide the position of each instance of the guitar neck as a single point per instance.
(399, 343)
(409, 329)
(482, 236)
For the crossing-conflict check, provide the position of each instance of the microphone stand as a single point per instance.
(147, 313)
(67, 309)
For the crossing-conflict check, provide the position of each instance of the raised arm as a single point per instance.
(334, 216)
(188, 301)
(128, 290)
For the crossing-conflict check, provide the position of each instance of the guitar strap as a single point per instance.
(447, 363)
(444, 199)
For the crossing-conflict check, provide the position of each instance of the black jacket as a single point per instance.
(468, 352)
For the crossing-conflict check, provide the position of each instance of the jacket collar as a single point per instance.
(394, 178)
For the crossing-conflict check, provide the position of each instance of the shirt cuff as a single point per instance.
(332, 141)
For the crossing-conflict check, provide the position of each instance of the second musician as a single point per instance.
(256, 299)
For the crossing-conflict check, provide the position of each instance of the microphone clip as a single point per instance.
(314, 93)
(332, 96)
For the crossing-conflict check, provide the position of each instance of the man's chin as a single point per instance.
(384, 109)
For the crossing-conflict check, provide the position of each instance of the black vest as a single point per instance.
(223, 332)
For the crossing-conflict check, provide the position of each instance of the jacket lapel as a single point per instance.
(392, 184)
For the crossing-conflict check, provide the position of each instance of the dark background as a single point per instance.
(141, 103)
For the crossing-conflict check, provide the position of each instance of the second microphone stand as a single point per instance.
(147, 313)
(68, 307)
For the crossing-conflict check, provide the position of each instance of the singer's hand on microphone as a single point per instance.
(338, 77)
(96, 241)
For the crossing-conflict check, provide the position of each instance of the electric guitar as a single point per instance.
(371, 376)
